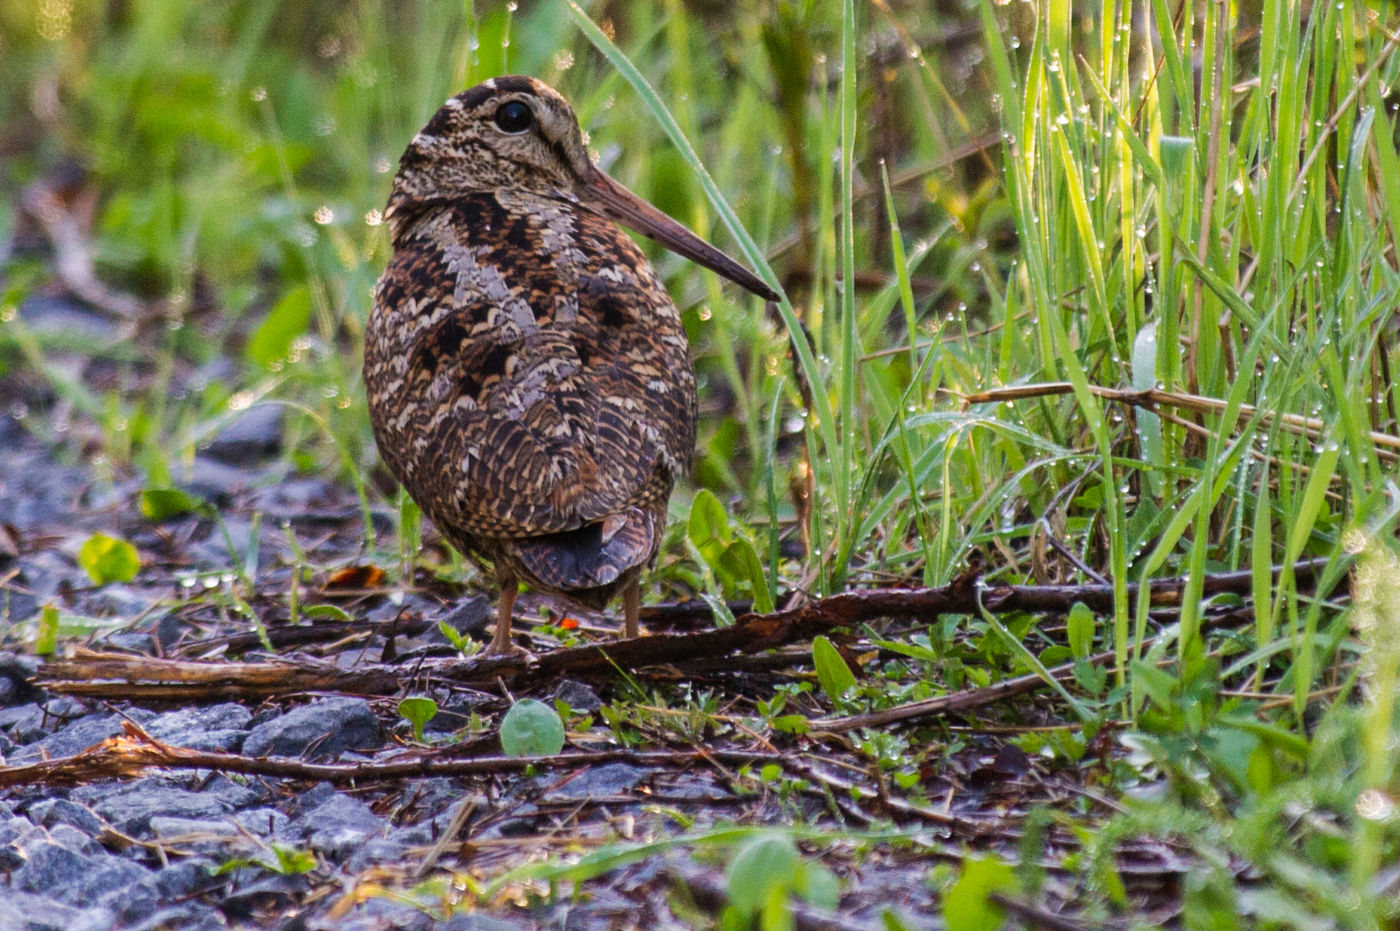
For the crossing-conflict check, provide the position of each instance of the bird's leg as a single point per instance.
(631, 607)
(501, 643)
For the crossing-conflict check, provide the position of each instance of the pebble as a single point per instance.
(341, 824)
(322, 729)
(218, 728)
(72, 738)
(254, 434)
(610, 779)
(130, 808)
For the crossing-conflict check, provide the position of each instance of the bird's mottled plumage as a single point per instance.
(528, 376)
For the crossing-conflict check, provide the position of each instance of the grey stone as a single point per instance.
(131, 641)
(71, 877)
(255, 434)
(267, 822)
(19, 672)
(324, 728)
(606, 780)
(313, 797)
(340, 825)
(61, 315)
(73, 839)
(254, 889)
(376, 850)
(219, 484)
(131, 811)
(479, 922)
(37, 722)
(168, 630)
(54, 811)
(383, 915)
(186, 726)
(577, 696)
(693, 787)
(134, 902)
(164, 827)
(471, 615)
(15, 832)
(187, 877)
(232, 793)
(14, 718)
(25, 911)
(191, 915)
(17, 606)
(453, 715)
(75, 737)
(92, 919)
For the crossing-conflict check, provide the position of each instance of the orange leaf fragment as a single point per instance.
(355, 577)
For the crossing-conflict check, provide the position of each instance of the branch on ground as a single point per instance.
(144, 678)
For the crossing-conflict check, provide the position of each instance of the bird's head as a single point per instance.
(517, 135)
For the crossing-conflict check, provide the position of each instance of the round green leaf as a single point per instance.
(532, 728)
(763, 865)
(108, 559)
(418, 710)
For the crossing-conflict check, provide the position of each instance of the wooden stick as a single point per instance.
(130, 754)
(103, 675)
(1311, 427)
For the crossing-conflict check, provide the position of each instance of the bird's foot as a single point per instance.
(504, 646)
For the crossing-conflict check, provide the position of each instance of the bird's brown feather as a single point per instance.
(527, 374)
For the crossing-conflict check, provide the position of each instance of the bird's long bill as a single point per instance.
(630, 210)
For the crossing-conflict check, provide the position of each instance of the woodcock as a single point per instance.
(528, 376)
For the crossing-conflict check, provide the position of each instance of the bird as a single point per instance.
(528, 378)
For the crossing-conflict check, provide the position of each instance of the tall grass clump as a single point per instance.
(1205, 210)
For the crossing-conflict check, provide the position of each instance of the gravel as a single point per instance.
(198, 849)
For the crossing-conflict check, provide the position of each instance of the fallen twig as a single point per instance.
(135, 751)
(150, 679)
(1152, 398)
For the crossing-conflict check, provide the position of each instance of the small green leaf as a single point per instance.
(453, 635)
(418, 710)
(46, 640)
(335, 612)
(708, 526)
(291, 861)
(1080, 629)
(967, 906)
(532, 728)
(160, 504)
(763, 864)
(108, 559)
(833, 673)
(791, 724)
(740, 555)
(271, 342)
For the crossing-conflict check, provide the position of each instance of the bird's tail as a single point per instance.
(594, 555)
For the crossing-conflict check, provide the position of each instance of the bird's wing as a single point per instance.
(547, 380)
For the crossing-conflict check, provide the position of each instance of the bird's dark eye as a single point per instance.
(514, 117)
